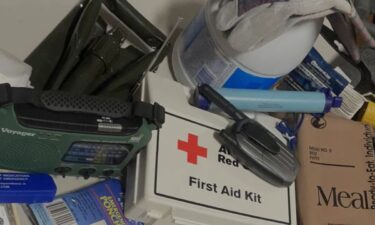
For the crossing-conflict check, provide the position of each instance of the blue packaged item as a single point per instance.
(134, 222)
(99, 204)
(26, 188)
(315, 73)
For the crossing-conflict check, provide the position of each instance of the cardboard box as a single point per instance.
(336, 183)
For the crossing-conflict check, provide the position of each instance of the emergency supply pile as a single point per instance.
(253, 125)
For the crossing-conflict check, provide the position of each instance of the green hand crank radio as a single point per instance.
(58, 133)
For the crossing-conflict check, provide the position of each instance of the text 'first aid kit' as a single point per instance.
(187, 177)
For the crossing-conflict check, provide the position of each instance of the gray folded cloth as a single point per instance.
(233, 11)
(346, 34)
(349, 27)
(260, 25)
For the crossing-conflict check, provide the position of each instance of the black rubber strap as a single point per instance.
(17, 95)
(154, 113)
(64, 102)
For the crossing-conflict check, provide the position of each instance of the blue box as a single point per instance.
(26, 188)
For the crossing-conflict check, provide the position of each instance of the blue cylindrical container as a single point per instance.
(275, 101)
(202, 54)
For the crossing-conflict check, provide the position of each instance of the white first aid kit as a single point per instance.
(186, 177)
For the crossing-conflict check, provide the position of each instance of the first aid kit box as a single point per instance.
(186, 177)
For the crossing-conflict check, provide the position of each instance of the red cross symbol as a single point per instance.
(192, 148)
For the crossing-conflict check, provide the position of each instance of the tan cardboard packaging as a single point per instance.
(336, 183)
